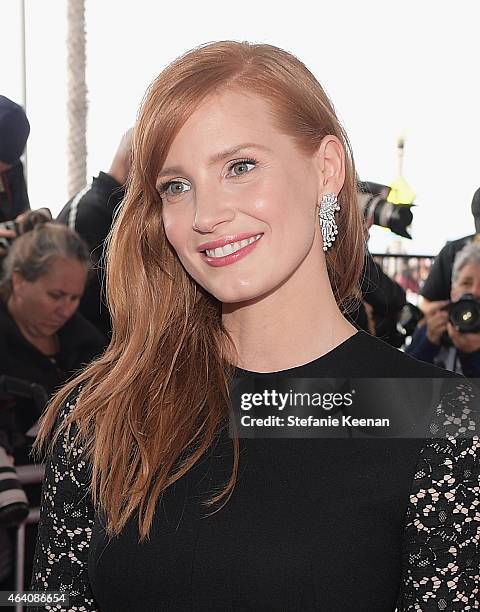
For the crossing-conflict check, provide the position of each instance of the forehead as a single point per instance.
(65, 274)
(225, 119)
(470, 269)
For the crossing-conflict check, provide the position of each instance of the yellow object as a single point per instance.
(401, 192)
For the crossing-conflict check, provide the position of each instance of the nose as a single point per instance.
(212, 208)
(66, 308)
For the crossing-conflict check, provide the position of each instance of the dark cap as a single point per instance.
(14, 131)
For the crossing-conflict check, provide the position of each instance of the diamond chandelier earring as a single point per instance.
(328, 206)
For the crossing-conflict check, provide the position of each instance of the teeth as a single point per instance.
(232, 247)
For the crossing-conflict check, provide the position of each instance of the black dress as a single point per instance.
(313, 524)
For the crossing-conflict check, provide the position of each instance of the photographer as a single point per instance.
(43, 339)
(438, 284)
(14, 131)
(383, 297)
(90, 213)
(437, 340)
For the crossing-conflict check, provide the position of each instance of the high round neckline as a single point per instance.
(321, 359)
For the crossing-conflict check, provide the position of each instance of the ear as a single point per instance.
(330, 161)
(17, 280)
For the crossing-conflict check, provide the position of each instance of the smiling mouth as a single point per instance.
(231, 247)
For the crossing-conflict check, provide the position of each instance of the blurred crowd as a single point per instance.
(54, 318)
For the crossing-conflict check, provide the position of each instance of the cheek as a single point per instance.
(177, 229)
(45, 305)
(290, 201)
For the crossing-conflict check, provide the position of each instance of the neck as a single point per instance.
(292, 325)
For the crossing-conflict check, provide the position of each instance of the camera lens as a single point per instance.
(465, 314)
(13, 501)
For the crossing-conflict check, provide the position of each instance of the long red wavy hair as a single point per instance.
(151, 404)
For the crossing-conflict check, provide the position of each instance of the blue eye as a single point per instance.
(241, 167)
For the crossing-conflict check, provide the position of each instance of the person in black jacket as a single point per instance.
(42, 338)
(382, 300)
(386, 299)
(438, 284)
(90, 213)
(436, 340)
(14, 131)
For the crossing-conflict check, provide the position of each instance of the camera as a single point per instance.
(372, 201)
(4, 241)
(24, 223)
(464, 314)
(13, 500)
(408, 319)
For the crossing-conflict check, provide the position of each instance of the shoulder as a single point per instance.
(6, 321)
(91, 197)
(98, 193)
(453, 246)
(460, 242)
(78, 330)
(66, 460)
(65, 409)
(70, 401)
(378, 358)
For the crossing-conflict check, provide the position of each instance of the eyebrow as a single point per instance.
(75, 295)
(217, 157)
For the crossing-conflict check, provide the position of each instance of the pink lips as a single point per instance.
(221, 242)
(217, 262)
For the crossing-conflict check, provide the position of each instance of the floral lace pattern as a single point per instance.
(442, 533)
(442, 524)
(65, 529)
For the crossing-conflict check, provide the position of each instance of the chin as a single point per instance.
(238, 293)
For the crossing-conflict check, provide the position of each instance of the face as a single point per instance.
(468, 281)
(239, 200)
(45, 305)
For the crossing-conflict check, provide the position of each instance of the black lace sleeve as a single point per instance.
(441, 560)
(66, 520)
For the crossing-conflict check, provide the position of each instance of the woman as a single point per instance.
(230, 257)
(42, 340)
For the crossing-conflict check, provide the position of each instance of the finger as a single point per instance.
(440, 318)
(452, 331)
(439, 326)
(473, 337)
